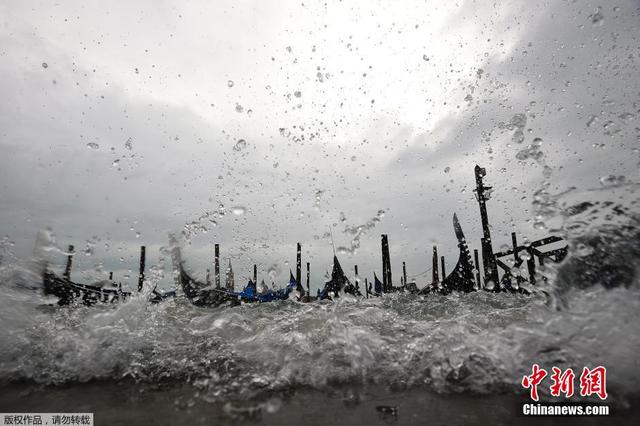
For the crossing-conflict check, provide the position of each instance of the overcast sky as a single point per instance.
(257, 124)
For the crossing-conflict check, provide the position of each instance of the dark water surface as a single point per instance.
(173, 403)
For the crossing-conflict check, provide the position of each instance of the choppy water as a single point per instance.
(480, 343)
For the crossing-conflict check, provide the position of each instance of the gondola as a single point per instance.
(199, 294)
(461, 278)
(377, 291)
(338, 283)
(69, 292)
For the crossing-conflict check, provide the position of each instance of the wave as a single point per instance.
(585, 315)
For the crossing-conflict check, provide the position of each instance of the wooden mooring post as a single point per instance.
(355, 269)
(387, 283)
(142, 263)
(67, 269)
(308, 280)
(366, 287)
(216, 266)
(477, 264)
(255, 274)
(299, 264)
(434, 267)
(404, 274)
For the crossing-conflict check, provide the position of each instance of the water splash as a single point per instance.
(358, 231)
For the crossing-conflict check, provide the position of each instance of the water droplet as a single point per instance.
(539, 225)
(611, 180)
(597, 18)
(583, 250)
(273, 271)
(238, 210)
(93, 145)
(518, 121)
(531, 152)
(518, 136)
(240, 145)
(230, 83)
(627, 116)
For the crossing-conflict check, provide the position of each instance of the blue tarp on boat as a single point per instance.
(378, 285)
(249, 293)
